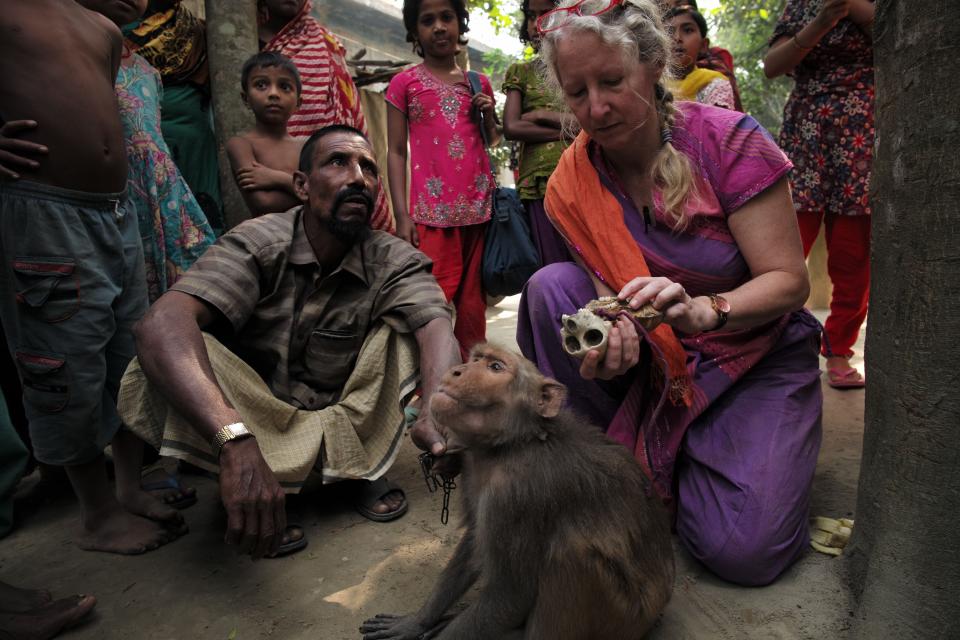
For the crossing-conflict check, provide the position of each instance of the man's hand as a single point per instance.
(15, 154)
(426, 437)
(256, 516)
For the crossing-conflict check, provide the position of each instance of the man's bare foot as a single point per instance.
(119, 531)
(48, 620)
(144, 504)
(16, 600)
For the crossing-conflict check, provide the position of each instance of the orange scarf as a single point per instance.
(591, 220)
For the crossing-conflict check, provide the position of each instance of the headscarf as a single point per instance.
(173, 40)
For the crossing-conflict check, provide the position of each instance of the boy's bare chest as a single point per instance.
(284, 156)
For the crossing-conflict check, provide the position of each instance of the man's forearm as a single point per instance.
(439, 351)
(174, 358)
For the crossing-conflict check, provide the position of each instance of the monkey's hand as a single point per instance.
(388, 626)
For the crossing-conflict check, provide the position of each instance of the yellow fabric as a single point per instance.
(689, 87)
(358, 437)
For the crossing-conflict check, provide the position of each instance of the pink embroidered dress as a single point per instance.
(450, 179)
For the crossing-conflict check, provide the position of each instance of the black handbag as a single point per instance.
(509, 255)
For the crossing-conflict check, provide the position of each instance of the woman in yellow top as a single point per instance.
(534, 118)
(688, 81)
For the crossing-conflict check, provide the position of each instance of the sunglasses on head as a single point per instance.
(559, 18)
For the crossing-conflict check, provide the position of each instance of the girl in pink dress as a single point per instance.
(445, 212)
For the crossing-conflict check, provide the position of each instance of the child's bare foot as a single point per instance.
(48, 620)
(13, 599)
(166, 487)
(141, 503)
(119, 531)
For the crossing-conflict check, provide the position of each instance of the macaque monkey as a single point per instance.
(561, 525)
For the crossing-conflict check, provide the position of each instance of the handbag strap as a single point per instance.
(473, 78)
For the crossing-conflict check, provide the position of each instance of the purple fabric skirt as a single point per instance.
(743, 478)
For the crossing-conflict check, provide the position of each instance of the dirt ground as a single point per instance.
(354, 568)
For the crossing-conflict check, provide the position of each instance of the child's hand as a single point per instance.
(486, 104)
(257, 176)
(537, 116)
(407, 230)
(14, 152)
(832, 11)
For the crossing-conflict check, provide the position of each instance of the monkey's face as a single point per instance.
(494, 398)
(469, 404)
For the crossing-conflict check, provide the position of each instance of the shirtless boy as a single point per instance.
(71, 267)
(264, 159)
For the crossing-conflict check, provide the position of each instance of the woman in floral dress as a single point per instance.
(826, 46)
(173, 228)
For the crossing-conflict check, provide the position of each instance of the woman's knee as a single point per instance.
(753, 552)
(553, 278)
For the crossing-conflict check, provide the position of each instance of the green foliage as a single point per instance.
(744, 28)
(501, 13)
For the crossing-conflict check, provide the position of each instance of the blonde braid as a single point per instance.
(671, 170)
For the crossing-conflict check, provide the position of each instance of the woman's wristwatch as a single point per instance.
(721, 307)
(230, 432)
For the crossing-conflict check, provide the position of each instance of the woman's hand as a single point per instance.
(623, 353)
(832, 12)
(680, 311)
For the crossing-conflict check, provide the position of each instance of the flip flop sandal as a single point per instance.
(845, 378)
(410, 415)
(170, 482)
(292, 546)
(370, 492)
(829, 535)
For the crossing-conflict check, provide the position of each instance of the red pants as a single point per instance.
(848, 265)
(456, 253)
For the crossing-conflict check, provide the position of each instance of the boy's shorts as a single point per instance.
(72, 285)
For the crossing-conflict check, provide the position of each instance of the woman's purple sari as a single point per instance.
(755, 415)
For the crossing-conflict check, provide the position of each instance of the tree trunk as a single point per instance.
(904, 557)
(231, 39)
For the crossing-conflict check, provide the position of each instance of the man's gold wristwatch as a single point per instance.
(228, 433)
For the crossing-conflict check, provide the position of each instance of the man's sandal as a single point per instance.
(291, 546)
(369, 492)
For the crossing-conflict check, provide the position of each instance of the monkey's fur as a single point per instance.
(560, 523)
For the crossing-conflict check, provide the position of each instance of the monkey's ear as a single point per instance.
(552, 395)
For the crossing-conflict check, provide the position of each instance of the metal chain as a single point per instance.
(435, 481)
